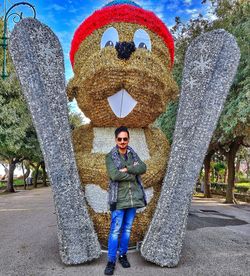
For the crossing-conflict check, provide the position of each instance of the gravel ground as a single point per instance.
(217, 241)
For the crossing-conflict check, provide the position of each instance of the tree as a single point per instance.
(233, 127)
(170, 117)
(18, 139)
(10, 130)
(207, 167)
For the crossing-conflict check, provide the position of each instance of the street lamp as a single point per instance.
(5, 38)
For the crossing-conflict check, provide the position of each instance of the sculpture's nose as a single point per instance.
(124, 49)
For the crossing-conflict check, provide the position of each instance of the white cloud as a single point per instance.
(194, 15)
(191, 11)
(48, 18)
(188, 2)
(210, 17)
(73, 10)
(159, 11)
(56, 7)
(208, 12)
(171, 5)
(76, 21)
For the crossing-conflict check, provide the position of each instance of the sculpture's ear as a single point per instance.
(71, 89)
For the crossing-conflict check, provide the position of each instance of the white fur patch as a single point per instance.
(97, 198)
(104, 141)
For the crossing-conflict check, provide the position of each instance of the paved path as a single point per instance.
(217, 241)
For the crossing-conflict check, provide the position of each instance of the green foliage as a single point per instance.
(234, 17)
(17, 134)
(244, 180)
(219, 186)
(17, 182)
(183, 34)
(75, 119)
(167, 120)
(244, 184)
(242, 187)
(218, 166)
(40, 174)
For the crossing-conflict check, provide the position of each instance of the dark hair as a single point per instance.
(120, 129)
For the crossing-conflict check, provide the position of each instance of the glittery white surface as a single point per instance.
(97, 198)
(104, 140)
(210, 65)
(38, 59)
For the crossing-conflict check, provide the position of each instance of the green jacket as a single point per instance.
(130, 193)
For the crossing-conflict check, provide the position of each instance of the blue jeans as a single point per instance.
(121, 223)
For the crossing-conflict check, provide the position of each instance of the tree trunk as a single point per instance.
(237, 168)
(231, 176)
(24, 183)
(231, 172)
(44, 174)
(36, 174)
(10, 184)
(212, 176)
(27, 173)
(207, 161)
(217, 176)
(225, 176)
(27, 167)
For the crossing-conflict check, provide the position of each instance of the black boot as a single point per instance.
(124, 261)
(109, 270)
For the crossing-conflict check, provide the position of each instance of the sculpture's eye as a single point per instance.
(109, 38)
(109, 43)
(142, 45)
(142, 39)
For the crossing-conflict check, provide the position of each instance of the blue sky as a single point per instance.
(64, 16)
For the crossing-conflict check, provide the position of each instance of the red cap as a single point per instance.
(121, 13)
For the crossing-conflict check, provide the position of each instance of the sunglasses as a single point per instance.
(125, 139)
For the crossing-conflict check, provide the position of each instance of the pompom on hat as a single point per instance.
(121, 11)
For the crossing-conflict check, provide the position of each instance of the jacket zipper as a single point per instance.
(130, 194)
